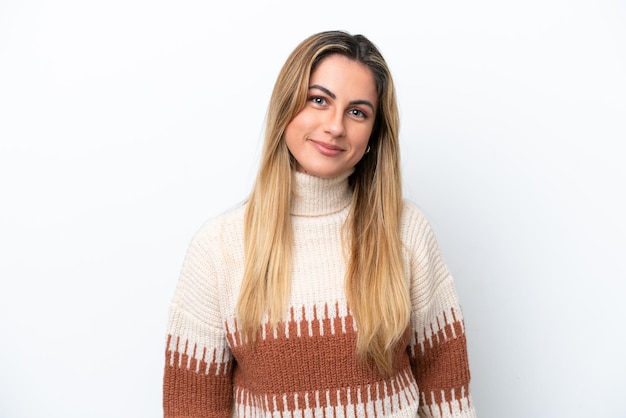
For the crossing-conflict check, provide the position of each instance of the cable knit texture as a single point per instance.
(307, 367)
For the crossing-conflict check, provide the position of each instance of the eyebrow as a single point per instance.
(333, 96)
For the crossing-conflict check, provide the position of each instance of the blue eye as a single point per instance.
(317, 100)
(358, 113)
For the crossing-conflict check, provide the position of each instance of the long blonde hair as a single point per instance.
(375, 283)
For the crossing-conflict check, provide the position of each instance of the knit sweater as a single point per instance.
(308, 366)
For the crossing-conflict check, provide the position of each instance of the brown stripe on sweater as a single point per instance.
(441, 366)
(281, 364)
(193, 387)
(312, 363)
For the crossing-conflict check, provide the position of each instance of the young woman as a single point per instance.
(325, 294)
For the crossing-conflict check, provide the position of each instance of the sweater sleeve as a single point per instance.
(197, 379)
(438, 349)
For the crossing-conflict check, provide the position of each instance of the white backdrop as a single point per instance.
(125, 124)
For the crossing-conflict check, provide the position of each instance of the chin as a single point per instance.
(322, 171)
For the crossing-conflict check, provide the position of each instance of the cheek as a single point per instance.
(290, 136)
(295, 129)
(363, 139)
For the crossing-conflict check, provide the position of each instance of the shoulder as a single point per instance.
(415, 228)
(221, 229)
(411, 211)
(413, 217)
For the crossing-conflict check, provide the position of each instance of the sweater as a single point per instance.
(308, 366)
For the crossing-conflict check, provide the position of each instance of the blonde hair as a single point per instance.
(376, 288)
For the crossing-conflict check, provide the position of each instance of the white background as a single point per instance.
(125, 124)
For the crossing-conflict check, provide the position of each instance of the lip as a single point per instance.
(327, 149)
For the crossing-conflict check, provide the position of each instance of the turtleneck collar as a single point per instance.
(316, 196)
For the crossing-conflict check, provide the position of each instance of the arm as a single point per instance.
(438, 349)
(197, 378)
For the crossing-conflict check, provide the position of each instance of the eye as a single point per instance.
(317, 100)
(357, 113)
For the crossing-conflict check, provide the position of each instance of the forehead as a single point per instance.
(346, 78)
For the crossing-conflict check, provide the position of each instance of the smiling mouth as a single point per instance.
(327, 149)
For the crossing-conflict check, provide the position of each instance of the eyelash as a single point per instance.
(320, 101)
(361, 113)
(317, 100)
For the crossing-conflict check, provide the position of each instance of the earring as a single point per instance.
(368, 149)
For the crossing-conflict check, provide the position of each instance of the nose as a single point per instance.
(334, 123)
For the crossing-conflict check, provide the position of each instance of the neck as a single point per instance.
(316, 196)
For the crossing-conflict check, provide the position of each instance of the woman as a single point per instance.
(325, 293)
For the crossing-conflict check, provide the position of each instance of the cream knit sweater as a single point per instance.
(308, 367)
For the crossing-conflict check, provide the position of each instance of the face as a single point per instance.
(329, 136)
